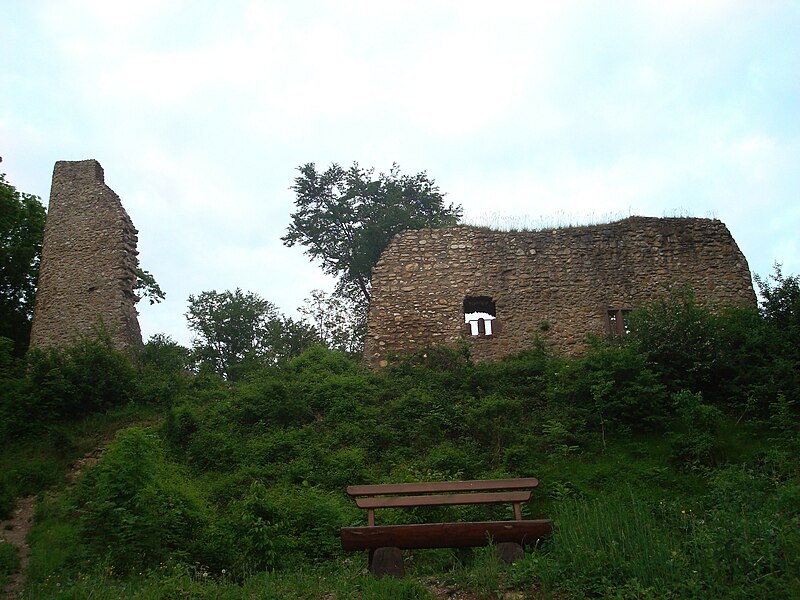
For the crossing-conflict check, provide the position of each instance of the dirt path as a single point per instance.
(15, 530)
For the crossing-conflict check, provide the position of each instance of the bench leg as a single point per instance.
(508, 552)
(386, 561)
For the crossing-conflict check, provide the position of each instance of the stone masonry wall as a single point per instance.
(560, 283)
(87, 272)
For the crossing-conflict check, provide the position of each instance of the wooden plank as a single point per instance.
(444, 535)
(443, 500)
(432, 487)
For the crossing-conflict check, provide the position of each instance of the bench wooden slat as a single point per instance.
(442, 486)
(444, 535)
(443, 500)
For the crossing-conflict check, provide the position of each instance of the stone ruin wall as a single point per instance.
(559, 283)
(87, 272)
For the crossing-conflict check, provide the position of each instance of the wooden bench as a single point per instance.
(385, 542)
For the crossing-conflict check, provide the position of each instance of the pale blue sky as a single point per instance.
(542, 113)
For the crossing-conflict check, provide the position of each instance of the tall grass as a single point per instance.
(340, 581)
(602, 544)
(558, 220)
(625, 546)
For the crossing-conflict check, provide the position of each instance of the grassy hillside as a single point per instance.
(667, 459)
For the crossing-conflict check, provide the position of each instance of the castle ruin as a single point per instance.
(497, 290)
(88, 268)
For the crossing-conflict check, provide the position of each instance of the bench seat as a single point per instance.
(445, 535)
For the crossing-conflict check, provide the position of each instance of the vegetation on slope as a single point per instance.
(668, 460)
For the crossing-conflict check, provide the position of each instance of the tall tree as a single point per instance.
(238, 331)
(346, 217)
(22, 219)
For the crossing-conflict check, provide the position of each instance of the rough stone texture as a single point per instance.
(386, 561)
(559, 283)
(87, 272)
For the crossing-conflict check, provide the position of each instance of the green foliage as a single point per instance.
(750, 368)
(780, 302)
(631, 547)
(22, 219)
(179, 426)
(62, 383)
(527, 376)
(694, 444)
(148, 287)
(163, 370)
(613, 389)
(678, 339)
(494, 421)
(9, 562)
(236, 332)
(346, 218)
(136, 510)
(87, 377)
(251, 472)
(283, 525)
(204, 583)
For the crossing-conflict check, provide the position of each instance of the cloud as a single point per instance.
(549, 112)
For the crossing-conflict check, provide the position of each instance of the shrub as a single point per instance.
(163, 370)
(679, 340)
(283, 525)
(179, 426)
(494, 422)
(266, 400)
(212, 450)
(612, 388)
(695, 444)
(86, 377)
(522, 376)
(136, 510)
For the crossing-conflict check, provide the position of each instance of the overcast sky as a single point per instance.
(537, 113)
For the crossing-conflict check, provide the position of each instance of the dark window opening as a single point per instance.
(480, 314)
(618, 321)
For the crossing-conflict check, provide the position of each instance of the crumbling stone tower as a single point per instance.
(88, 268)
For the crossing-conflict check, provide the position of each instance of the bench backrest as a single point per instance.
(444, 493)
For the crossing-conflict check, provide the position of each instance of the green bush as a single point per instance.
(163, 371)
(212, 451)
(612, 389)
(136, 510)
(523, 376)
(695, 444)
(89, 376)
(679, 341)
(267, 400)
(281, 526)
(180, 425)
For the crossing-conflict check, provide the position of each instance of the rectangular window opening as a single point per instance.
(479, 314)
